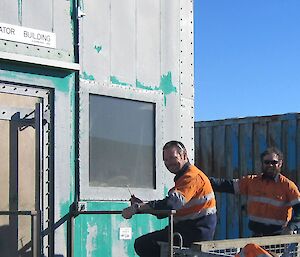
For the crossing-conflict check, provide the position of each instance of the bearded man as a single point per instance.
(273, 203)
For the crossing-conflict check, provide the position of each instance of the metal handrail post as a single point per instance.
(72, 234)
(171, 232)
(34, 235)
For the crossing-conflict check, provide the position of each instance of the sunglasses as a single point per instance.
(273, 162)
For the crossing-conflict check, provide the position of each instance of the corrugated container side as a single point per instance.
(231, 148)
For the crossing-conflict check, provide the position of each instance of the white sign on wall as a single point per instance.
(27, 35)
(125, 233)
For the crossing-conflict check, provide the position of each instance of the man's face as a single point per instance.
(271, 165)
(173, 159)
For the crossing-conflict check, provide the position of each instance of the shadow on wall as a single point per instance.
(8, 244)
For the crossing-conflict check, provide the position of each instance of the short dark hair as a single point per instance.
(272, 150)
(180, 146)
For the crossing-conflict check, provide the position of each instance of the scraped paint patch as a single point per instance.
(87, 76)
(91, 241)
(98, 48)
(165, 85)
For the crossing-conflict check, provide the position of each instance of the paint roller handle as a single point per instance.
(135, 199)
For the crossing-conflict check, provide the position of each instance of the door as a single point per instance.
(22, 190)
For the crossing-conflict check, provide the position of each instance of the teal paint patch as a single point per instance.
(87, 76)
(165, 85)
(65, 84)
(86, 234)
(57, 79)
(115, 80)
(20, 12)
(98, 235)
(98, 48)
(64, 210)
(166, 190)
(142, 86)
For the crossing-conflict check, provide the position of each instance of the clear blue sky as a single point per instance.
(247, 58)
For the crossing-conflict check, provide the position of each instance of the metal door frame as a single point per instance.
(43, 218)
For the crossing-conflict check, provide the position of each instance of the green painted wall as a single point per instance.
(98, 235)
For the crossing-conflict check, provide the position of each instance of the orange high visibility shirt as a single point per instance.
(269, 201)
(253, 250)
(198, 194)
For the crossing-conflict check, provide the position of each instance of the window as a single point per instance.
(121, 142)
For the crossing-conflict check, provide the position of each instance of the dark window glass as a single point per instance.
(121, 142)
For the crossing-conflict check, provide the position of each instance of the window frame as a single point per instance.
(86, 192)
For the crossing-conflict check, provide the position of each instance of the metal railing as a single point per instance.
(169, 213)
(35, 231)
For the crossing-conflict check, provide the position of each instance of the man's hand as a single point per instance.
(128, 212)
(287, 231)
(134, 200)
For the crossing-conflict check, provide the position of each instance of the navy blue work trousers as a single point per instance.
(191, 231)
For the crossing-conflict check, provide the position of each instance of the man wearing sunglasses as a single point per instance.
(192, 197)
(273, 203)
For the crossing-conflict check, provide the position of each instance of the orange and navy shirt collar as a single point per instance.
(181, 172)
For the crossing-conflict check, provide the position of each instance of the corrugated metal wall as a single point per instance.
(231, 148)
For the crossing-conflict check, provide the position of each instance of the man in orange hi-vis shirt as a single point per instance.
(253, 250)
(192, 197)
(273, 202)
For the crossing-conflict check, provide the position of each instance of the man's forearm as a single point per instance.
(222, 185)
